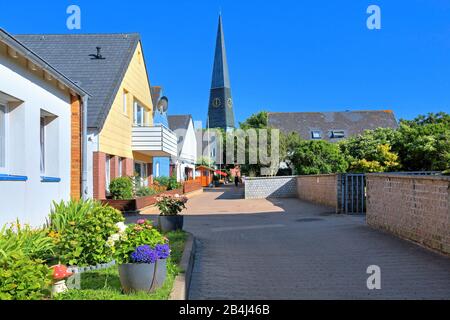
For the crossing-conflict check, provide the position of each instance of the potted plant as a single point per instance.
(169, 207)
(137, 251)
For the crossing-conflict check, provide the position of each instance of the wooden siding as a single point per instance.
(115, 137)
(76, 160)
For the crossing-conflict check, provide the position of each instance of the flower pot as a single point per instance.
(136, 277)
(160, 274)
(170, 223)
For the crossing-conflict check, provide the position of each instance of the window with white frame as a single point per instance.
(157, 169)
(42, 142)
(107, 173)
(140, 169)
(49, 144)
(139, 115)
(125, 102)
(337, 134)
(3, 116)
(316, 134)
(120, 167)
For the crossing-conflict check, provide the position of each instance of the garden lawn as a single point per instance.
(105, 284)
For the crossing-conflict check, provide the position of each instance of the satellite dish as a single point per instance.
(163, 104)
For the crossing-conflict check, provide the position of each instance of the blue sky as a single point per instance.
(283, 56)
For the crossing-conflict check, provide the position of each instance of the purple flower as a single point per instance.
(162, 251)
(144, 254)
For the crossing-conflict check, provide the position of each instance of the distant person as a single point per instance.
(236, 181)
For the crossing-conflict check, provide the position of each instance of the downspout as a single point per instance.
(84, 182)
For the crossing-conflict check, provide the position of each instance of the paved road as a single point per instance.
(289, 249)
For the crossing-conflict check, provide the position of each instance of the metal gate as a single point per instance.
(353, 193)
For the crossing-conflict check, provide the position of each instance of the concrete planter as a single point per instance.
(170, 223)
(136, 277)
(160, 274)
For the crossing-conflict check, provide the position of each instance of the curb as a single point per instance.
(180, 290)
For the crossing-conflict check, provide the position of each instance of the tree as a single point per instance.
(424, 143)
(372, 151)
(258, 120)
(318, 157)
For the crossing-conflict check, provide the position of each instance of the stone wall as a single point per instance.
(270, 187)
(416, 208)
(320, 189)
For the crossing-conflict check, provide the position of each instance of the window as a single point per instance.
(3, 115)
(140, 169)
(49, 144)
(120, 167)
(42, 141)
(107, 173)
(157, 170)
(125, 102)
(337, 134)
(139, 115)
(316, 134)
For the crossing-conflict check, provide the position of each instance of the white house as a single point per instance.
(40, 135)
(184, 163)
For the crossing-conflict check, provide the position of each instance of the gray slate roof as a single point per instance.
(180, 124)
(71, 54)
(220, 77)
(351, 122)
(20, 47)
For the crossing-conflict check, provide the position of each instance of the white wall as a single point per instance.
(30, 201)
(188, 154)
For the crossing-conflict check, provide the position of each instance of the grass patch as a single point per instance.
(105, 284)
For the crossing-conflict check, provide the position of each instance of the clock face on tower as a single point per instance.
(230, 103)
(217, 102)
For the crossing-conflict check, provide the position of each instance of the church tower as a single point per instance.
(220, 110)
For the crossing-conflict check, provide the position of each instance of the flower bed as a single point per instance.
(139, 203)
(105, 284)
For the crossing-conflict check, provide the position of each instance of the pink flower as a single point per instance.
(141, 221)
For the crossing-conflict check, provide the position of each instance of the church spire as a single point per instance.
(221, 113)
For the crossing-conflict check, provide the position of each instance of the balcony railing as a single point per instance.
(156, 141)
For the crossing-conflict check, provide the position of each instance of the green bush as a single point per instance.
(34, 243)
(162, 181)
(22, 278)
(81, 230)
(318, 157)
(121, 188)
(173, 183)
(147, 191)
(23, 253)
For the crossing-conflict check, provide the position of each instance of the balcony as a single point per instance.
(155, 141)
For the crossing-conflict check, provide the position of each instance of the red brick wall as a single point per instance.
(75, 161)
(321, 189)
(416, 208)
(99, 159)
(128, 167)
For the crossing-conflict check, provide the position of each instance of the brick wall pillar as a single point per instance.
(114, 167)
(128, 167)
(99, 160)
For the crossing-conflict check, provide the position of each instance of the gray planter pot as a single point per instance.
(160, 274)
(170, 223)
(136, 277)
